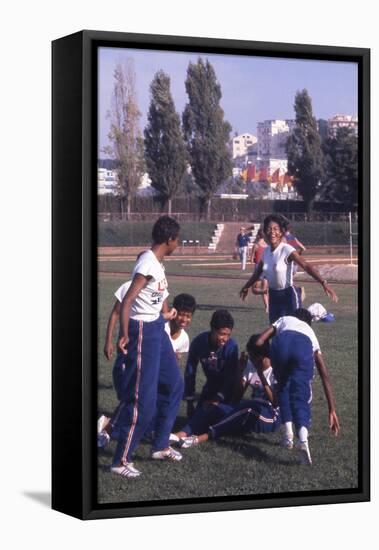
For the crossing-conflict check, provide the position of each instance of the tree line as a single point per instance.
(193, 151)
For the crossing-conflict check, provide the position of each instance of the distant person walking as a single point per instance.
(242, 242)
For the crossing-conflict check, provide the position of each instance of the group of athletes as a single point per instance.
(278, 365)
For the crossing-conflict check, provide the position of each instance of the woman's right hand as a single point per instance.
(108, 350)
(122, 344)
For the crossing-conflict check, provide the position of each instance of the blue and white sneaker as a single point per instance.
(127, 470)
(174, 440)
(169, 454)
(189, 441)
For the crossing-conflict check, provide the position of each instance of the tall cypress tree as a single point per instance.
(165, 150)
(341, 168)
(205, 130)
(305, 159)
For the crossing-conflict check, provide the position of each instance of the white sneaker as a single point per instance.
(305, 455)
(103, 439)
(190, 441)
(287, 442)
(127, 470)
(101, 423)
(169, 454)
(174, 439)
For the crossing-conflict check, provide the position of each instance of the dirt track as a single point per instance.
(332, 266)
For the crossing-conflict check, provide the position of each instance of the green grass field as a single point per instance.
(251, 464)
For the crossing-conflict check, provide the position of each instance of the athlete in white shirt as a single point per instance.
(184, 305)
(294, 352)
(145, 357)
(277, 267)
(177, 319)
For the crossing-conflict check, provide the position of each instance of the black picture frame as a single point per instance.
(74, 405)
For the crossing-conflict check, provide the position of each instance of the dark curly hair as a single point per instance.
(276, 219)
(222, 319)
(165, 228)
(257, 351)
(184, 302)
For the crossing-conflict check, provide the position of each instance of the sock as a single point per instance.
(288, 430)
(303, 434)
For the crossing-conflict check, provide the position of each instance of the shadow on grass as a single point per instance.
(251, 451)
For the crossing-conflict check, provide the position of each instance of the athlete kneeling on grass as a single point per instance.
(259, 414)
(294, 351)
(217, 353)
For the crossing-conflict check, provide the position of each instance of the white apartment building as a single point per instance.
(106, 182)
(272, 137)
(241, 144)
(342, 121)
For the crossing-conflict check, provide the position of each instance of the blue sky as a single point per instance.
(253, 88)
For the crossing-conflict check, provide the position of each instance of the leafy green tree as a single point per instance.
(205, 130)
(341, 168)
(304, 153)
(188, 187)
(125, 136)
(165, 149)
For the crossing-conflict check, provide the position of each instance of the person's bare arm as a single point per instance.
(334, 424)
(265, 335)
(138, 283)
(267, 388)
(301, 246)
(295, 257)
(168, 313)
(261, 288)
(240, 384)
(113, 318)
(255, 276)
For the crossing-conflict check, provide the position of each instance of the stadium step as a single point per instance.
(226, 244)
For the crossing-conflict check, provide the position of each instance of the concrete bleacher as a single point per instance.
(224, 239)
(212, 247)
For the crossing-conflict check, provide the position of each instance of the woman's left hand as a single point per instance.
(330, 292)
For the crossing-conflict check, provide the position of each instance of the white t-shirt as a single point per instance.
(251, 376)
(276, 267)
(148, 304)
(292, 323)
(181, 343)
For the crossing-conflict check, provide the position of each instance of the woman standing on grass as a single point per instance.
(277, 267)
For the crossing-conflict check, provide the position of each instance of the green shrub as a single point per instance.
(139, 233)
(323, 233)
